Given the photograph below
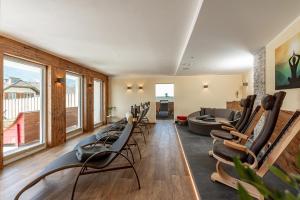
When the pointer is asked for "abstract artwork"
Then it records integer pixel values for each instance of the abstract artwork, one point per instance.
(287, 68)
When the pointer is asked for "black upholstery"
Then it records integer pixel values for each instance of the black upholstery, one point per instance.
(273, 105)
(251, 118)
(228, 153)
(243, 105)
(222, 134)
(225, 135)
(249, 105)
(243, 123)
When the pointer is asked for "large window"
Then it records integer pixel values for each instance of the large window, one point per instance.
(23, 105)
(98, 94)
(73, 102)
(164, 90)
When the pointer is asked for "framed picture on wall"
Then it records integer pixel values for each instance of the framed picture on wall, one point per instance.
(287, 64)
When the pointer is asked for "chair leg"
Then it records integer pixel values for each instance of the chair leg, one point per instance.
(142, 133)
(137, 145)
(144, 137)
(132, 157)
(75, 184)
(223, 177)
(133, 168)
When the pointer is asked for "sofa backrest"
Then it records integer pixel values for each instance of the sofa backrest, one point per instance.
(218, 112)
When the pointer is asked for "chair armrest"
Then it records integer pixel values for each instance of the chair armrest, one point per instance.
(227, 124)
(243, 148)
(235, 146)
(238, 134)
(227, 128)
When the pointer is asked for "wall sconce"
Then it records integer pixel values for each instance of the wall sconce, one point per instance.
(205, 85)
(129, 87)
(140, 87)
(60, 80)
(90, 84)
(245, 84)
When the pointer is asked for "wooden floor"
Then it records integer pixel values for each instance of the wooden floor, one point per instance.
(162, 171)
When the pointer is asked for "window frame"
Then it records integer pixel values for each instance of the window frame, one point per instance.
(97, 124)
(17, 154)
(70, 134)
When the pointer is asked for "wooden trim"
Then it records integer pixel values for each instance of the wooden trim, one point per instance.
(222, 177)
(280, 147)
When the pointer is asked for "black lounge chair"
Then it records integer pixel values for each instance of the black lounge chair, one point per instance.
(91, 165)
(146, 105)
(141, 127)
(225, 151)
(111, 133)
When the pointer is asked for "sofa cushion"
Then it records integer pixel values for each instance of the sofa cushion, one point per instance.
(224, 113)
(210, 111)
(202, 111)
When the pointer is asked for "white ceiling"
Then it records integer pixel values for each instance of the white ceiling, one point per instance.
(149, 36)
(227, 31)
(112, 36)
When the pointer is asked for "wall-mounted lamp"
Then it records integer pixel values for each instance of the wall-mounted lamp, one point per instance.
(60, 80)
(245, 84)
(205, 86)
(129, 87)
(90, 84)
(140, 87)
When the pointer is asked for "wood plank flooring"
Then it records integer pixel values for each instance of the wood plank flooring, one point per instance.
(162, 171)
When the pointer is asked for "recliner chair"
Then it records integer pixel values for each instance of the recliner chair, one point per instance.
(225, 151)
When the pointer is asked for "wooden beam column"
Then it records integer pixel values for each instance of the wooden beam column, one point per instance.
(88, 104)
(56, 107)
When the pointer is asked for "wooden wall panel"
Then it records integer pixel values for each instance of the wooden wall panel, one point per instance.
(56, 107)
(55, 97)
(233, 105)
(88, 122)
(287, 159)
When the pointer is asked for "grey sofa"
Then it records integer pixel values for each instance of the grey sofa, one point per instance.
(207, 119)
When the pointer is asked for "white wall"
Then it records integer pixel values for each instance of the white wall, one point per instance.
(292, 100)
(248, 77)
(189, 92)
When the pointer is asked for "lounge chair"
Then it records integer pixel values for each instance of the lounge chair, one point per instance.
(225, 151)
(247, 105)
(229, 133)
(90, 166)
(112, 132)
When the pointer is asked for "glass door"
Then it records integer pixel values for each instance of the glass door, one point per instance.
(98, 95)
(73, 102)
(23, 105)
